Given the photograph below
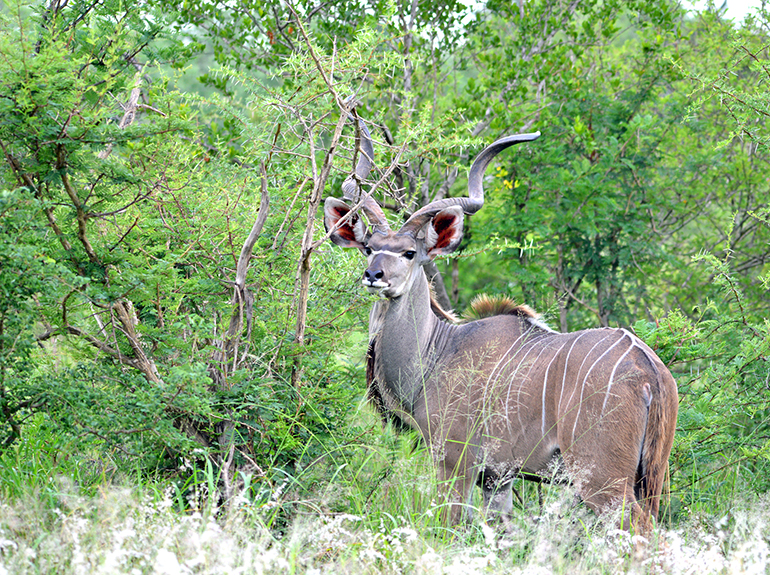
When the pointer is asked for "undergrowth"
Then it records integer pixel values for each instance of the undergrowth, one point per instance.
(374, 512)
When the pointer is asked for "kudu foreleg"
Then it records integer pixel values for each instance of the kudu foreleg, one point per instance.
(498, 499)
(455, 485)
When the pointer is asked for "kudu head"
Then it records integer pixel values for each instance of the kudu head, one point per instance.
(395, 257)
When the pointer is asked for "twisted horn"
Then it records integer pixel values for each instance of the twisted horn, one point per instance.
(351, 187)
(475, 201)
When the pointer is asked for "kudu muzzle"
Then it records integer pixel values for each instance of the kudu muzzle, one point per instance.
(374, 273)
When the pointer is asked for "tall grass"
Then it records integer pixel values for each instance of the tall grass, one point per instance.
(34, 465)
(367, 509)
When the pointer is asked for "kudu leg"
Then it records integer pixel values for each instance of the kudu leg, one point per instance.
(617, 495)
(604, 461)
(498, 495)
(455, 484)
(498, 503)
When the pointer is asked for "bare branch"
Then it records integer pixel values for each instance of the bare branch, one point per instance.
(61, 164)
(256, 230)
(356, 208)
(130, 111)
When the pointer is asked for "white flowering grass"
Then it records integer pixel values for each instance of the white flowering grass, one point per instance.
(123, 530)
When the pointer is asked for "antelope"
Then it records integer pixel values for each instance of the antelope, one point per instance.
(504, 396)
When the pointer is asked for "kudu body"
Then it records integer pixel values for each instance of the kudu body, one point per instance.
(505, 395)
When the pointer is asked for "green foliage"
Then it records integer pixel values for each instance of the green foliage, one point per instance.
(737, 85)
(128, 230)
(260, 34)
(721, 364)
(25, 270)
(124, 206)
(80, 282)
(714, 207)
(580, 195)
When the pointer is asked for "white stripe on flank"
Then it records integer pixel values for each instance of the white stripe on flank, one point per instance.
(577, 374)
(564, 377)
(545, 385)
(502, 368)
(502, 357)
(531, 342)
(537, 323)
(518, 390)
(580, 404)
(636, 341)
(649, 354)
(612, 375)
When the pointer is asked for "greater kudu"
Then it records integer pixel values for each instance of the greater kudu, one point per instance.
(505, 395)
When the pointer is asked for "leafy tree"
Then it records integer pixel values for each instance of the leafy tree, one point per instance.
(575, 209)
(99, 198)
(258, 35)
(140, 226)
(720, 205)
(721, 224)
(25, 271)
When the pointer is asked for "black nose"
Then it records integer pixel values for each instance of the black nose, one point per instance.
(373, 275)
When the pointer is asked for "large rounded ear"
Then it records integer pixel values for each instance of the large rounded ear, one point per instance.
(444, 232)
(351, 234)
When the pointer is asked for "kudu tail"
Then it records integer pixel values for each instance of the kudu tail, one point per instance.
(658, 439)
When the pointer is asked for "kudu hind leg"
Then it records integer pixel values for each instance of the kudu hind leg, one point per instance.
(604, 463)
(617, 496)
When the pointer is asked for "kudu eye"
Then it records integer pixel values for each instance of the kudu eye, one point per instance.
(368, 251)
(409, 254)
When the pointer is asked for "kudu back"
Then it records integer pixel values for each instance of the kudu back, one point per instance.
(504, 396)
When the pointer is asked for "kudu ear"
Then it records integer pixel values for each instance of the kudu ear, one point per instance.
(444, 232)
(351, 234)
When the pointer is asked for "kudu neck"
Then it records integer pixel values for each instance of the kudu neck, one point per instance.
(409, 313)
(408, 332)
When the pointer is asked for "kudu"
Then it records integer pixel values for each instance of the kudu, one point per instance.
(504, 396)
